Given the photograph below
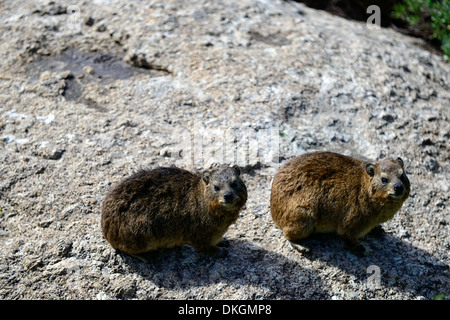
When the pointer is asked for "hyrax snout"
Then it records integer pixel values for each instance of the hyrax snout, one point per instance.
(168, 207)
(330, 192)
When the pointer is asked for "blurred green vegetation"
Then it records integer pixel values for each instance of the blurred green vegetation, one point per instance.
(427, 14)
(439, 296)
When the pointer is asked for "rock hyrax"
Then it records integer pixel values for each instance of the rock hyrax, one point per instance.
(167, 207)
(330, 192)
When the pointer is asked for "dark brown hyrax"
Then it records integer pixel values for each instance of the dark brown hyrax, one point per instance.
(330, 192)
(168, 207)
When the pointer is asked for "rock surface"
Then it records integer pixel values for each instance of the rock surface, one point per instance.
(91, 93)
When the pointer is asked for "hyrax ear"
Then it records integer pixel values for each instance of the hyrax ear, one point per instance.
(400, 161)
(370, 169)
(237, 169)
(205, 176)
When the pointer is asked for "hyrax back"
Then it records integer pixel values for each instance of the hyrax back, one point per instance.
(330, 192)
(167, 207)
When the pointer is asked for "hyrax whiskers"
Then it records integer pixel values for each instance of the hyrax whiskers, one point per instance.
(330, 192)
(168, 207)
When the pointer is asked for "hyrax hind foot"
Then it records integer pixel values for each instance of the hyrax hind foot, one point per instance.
(213, 251)
(356, 248)
(377, 232)
(224, 243)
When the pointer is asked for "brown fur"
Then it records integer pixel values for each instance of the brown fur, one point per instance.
(168, 207)
(329, 192)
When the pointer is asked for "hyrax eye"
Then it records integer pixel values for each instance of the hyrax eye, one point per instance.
(384, 180)
(216, 188)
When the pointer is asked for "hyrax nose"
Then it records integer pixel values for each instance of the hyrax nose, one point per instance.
(228, 196)
(398, 188)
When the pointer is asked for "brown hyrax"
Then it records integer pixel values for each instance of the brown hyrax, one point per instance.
(330, 192)
(168, 207)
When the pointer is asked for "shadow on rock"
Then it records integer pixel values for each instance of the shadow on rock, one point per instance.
(400, 264)
(245, 264)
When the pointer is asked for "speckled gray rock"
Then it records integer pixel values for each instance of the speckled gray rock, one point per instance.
(92, 93)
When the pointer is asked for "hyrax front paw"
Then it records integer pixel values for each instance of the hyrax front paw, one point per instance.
(300, 248)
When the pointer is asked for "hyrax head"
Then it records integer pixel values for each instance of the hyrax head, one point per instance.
(225, 187)
(389, 179)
